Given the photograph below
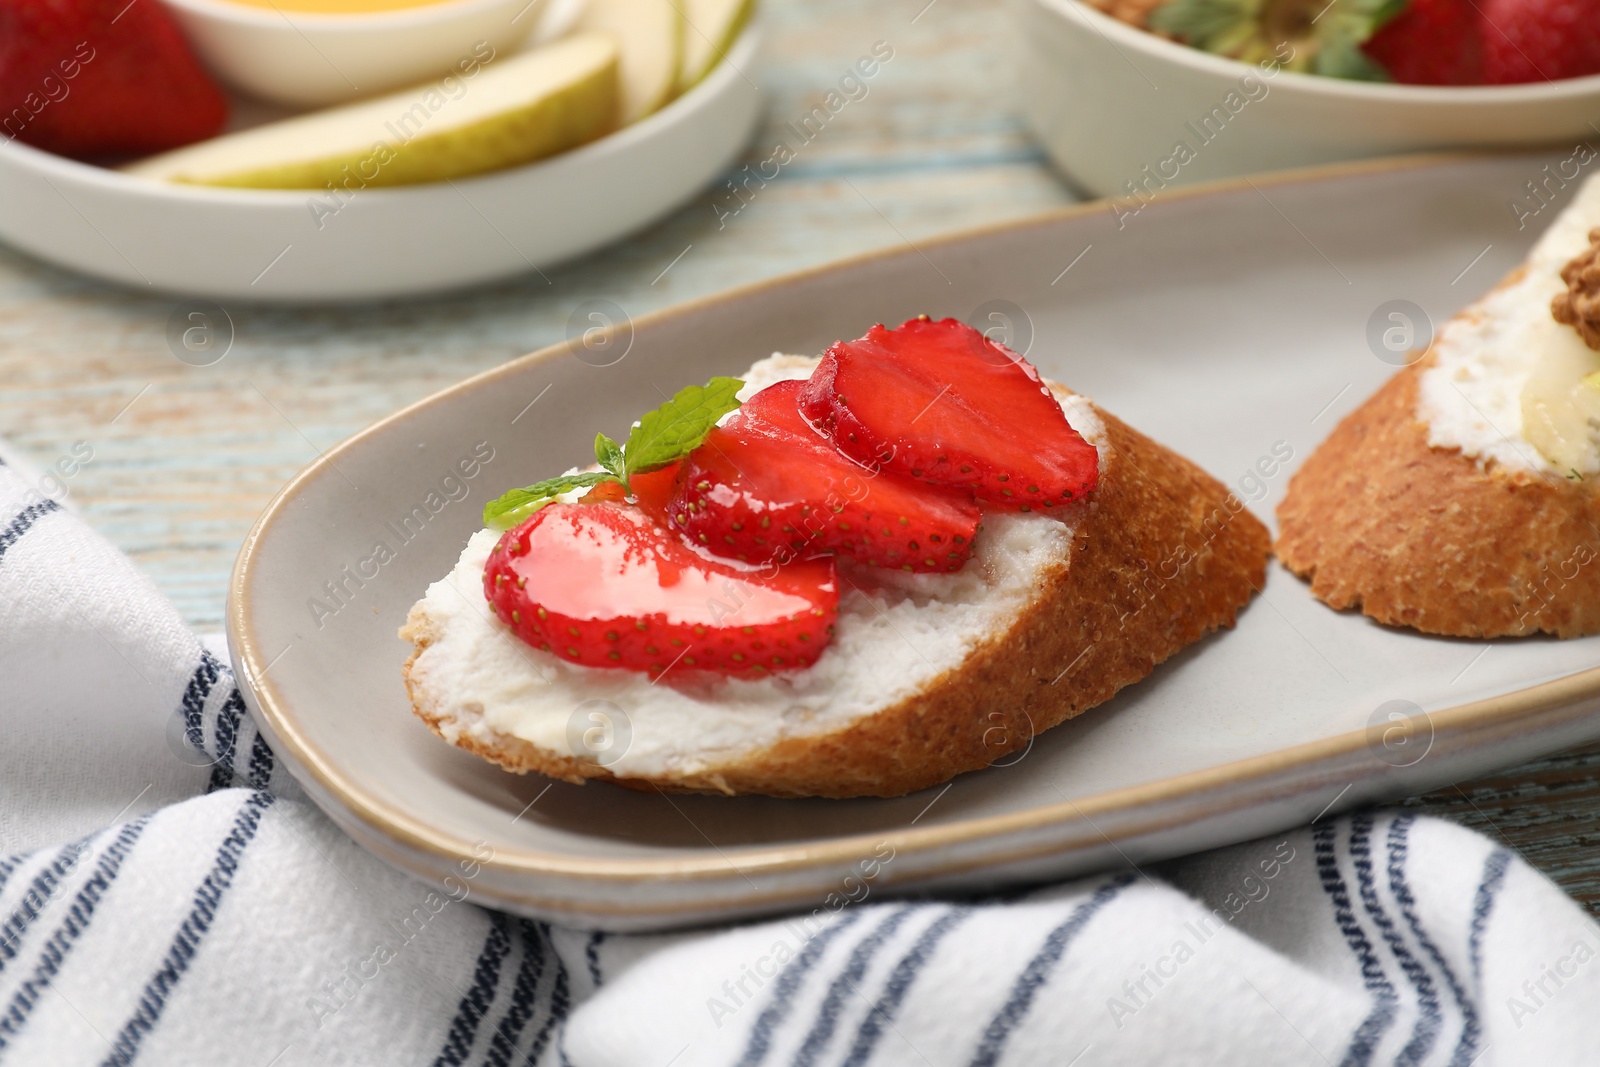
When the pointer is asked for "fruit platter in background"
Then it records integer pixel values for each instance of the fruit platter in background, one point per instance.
(1412, 42)
(1132, 97)
(112, 82)
(331, 150)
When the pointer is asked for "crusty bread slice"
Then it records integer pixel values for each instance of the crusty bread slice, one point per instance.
(1426, 537)
(1159, 556)
(1462, 497)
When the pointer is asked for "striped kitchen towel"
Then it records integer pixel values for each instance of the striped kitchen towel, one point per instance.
(168, 897)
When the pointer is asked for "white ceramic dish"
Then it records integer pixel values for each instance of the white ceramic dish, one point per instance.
(1108, 101)
(305, 60)
(259, 244)
(1213, 324)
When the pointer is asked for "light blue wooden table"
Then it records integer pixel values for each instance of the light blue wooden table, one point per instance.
(185, 457)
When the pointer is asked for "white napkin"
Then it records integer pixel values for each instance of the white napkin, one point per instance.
(170, 907)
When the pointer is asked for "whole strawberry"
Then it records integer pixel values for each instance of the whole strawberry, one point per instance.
(1430, 42)
(1540, 40)
(91, 78)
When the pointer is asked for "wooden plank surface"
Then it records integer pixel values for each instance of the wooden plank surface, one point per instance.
(185, 457)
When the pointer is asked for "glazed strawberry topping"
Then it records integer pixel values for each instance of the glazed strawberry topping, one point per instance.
(654, 491)
(940, 402)
(886, 455)
(602, 585)
(766, 485)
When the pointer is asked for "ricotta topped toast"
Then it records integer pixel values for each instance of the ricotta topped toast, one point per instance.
(1463, 498)
(927, 675)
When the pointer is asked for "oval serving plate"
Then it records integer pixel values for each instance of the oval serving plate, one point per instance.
(268, 244)
(1229, 321)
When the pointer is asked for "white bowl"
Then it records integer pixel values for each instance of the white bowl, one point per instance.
(1109, 100)
(264, 244)
(305, 60)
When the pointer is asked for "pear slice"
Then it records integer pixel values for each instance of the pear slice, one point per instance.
(502, 113)
(650, 34)
(712, 26)
(1559, 401)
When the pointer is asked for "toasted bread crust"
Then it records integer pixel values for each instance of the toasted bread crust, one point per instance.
(1425, 537)
(1164, 556)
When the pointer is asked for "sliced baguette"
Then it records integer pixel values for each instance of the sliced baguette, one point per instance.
(1412, 535)
(1462, 498)
(1160, 556)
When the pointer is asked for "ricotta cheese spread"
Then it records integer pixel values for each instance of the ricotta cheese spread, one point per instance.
(1507, 383)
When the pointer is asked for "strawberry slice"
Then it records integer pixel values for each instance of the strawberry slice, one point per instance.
(91, 78)
(767, 486)
(654, 490)
(941, 402)
(603, 585)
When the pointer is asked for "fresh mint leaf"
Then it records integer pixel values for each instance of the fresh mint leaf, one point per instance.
(677, 427)
(609, 455)
(663, 436)
(506, 511)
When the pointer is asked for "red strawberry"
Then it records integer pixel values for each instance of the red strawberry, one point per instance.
(941, 402)
(1540, 40)
(1430, 42)
(602, 585)
(766, 485)
(101, 77)
(605, 493)
(654, 490)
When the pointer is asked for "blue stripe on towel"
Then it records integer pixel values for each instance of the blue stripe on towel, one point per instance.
(1494, 876)
(1365, 1040)
(1399, 852)
(894, 991)
(1429, 1020)
(1038, 970)
(262, 762)
(194, 700)
(61, 942)
(560, 1001)
(847, 982)
(478, 999)
(39, 894)
(23, 522)
(504, 1044)
(591, 953)
(228, 722)
(787, 985)
(185, 945)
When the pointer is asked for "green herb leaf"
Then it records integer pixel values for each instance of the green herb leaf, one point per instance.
(609, 455)
(664, 436)
(506, 511)
(677, 427)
